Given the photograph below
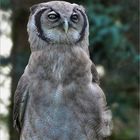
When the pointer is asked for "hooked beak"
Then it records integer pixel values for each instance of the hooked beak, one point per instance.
(66, 26)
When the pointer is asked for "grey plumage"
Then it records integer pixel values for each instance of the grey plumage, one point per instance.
(58, 96)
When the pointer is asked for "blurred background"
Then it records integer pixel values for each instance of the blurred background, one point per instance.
(114, 48)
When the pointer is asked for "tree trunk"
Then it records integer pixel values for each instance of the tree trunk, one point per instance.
(19, 58)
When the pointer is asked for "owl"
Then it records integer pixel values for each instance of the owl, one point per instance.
(58, 97)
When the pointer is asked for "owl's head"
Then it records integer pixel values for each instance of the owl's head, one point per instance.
(58, 22)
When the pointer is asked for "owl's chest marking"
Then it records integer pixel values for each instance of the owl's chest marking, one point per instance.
(58, 68)
(57, 96)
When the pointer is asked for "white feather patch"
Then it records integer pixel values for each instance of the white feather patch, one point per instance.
(58, 95)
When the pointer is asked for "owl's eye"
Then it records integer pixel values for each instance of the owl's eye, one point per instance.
(75, 17)
(52, 16)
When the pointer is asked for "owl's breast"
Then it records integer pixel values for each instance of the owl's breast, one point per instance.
(51, 113)
(69, 67)
(61, 67)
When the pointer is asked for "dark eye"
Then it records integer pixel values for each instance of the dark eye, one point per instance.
(53, 16)
(75, 17)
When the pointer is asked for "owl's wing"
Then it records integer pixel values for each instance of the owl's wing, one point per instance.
(95, 76)
(105, 128)
(98, 117)
(106, 116)
(20, 101)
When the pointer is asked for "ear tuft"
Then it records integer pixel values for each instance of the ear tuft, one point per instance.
(80, 7)
(33, 8)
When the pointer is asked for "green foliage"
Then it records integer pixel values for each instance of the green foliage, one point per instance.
(4, 61)
(5, 4)
(111, 47)
(3, 119)
(107, 30)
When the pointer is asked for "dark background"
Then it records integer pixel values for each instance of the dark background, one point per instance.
(114, 45)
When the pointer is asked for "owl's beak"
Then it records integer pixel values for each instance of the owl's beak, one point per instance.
(66, 25)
